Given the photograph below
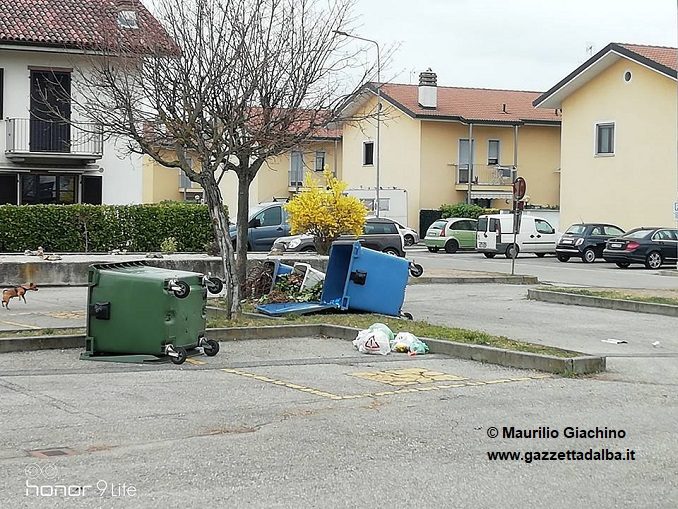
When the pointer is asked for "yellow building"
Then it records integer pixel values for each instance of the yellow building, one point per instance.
(618, 144)
(424, 145)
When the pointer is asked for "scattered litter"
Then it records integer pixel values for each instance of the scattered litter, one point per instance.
(383, 328)
(402, 342)
(656, 344)
(372, 342)
(52, 257)
(613, 341)
(418, 348)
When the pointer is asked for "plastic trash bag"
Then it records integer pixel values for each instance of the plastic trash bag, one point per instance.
(401, 343)
(372, 342)
(384, 328)
(418, 347)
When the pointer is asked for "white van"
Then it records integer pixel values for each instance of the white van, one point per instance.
(495, 236)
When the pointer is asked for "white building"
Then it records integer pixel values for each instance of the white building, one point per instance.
(44, 158)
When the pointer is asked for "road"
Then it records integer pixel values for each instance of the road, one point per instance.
(549, 269)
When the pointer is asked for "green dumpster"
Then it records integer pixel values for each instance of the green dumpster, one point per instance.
(139, 313)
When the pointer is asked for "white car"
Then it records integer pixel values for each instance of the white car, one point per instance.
(410, 236)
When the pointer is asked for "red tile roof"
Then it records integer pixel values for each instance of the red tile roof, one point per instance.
(478, 104)
(663, 55)
(78, 24)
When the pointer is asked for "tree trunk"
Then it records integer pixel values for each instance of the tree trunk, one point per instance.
(243, 224)
(220, 226)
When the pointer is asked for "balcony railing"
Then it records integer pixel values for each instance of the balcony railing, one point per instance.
(484, 175)
(28, 137)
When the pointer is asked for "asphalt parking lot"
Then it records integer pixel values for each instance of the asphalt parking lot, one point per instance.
(311, 423)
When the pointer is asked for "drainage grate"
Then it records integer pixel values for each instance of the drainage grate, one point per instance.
(55, 451)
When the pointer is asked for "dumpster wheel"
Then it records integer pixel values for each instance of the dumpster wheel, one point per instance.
(181, 355)
(210, 347)
(407, 315)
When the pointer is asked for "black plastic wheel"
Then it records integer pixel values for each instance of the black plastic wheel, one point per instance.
(489, 255)
(214, 285)
(562, 257)
(211, 348)
(409, 240)
(451, 246)
(183, 290)
(416, 270)
(181, 355)
(408, 315)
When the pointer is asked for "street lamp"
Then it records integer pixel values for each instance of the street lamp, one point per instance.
(376, 140)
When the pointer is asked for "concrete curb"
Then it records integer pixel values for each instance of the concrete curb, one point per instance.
(500, 279)
(580, 365)
(602, 302)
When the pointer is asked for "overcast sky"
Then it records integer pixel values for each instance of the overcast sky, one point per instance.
(513, 44)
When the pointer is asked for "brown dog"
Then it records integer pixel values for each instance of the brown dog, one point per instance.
(18, 292)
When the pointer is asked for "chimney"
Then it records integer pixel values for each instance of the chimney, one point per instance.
(428, 89)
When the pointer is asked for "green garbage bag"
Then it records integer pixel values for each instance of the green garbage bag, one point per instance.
(383, 328)
(418, 347)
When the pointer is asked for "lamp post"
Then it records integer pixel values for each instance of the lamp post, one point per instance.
(376, 138)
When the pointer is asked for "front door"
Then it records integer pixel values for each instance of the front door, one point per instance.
(268, 225)
(50, 111)
(545, 237)
(668, 239)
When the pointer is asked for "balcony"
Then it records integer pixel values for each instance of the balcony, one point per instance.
(43, 141)
(492, 182)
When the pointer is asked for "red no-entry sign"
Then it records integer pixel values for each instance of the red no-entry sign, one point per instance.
(519, 188)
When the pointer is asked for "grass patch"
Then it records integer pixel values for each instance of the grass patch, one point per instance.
(418, 328)
(42, 332)
(616, 294)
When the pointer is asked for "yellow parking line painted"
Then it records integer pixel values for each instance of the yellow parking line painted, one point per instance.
(460, 382)
(195, 362)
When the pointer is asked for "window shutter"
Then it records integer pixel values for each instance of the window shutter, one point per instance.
(8, 193)
(2, 93)
(91, 189)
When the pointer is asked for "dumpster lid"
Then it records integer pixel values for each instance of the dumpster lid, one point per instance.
(299, 308)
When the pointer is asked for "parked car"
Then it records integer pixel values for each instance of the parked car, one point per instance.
(495, 236)
(649, 246)
(451, 235)
(410, 236)
(586, 241)
(379, 234)
(267, 222)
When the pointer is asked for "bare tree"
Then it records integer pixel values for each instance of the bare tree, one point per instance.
(243, 80)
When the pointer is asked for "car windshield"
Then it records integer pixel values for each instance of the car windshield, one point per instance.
(576, 229)
(638, 234)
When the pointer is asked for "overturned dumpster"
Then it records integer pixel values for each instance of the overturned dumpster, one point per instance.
(139, 313)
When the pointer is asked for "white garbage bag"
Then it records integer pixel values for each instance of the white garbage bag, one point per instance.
(402, 342)
(372, 342)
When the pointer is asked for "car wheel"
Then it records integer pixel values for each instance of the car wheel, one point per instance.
(308, 249)
(512, 251)
(391, 251)
(623, 265)
(409, 240)
(563, 258)
(433, 249)
(540, 255)
(589, 255)
(451, 246)
(489, 255)
(653, 260)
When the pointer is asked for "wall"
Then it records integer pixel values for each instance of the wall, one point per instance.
(637, 185)
(122, 177)
(400, 148)
(539, 163)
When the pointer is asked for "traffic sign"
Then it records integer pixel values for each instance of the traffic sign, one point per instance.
(519, 188)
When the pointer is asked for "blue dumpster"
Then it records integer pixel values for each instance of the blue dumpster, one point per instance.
(362, 279)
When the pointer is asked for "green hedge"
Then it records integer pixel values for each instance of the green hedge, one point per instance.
(100, 228)
(465, 210)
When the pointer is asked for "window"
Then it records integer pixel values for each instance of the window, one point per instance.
(296, 168)
(377, 228)
(384, 204)
(665, 235)
(604, 139)
(493, 152)
(2, 91)
(464, 161)
(597, 230)
(127, 19)
(184, 181)
(48, 189)
(368, 153)
(613, 231)
(270, 217)
(320, 160)
(543, 227)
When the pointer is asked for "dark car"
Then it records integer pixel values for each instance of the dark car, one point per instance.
(649, 246)
(586, 241)
(379, 234)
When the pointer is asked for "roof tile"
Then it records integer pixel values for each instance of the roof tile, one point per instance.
(668, 57)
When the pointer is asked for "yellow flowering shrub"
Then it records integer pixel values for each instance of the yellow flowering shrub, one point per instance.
(325, 212)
